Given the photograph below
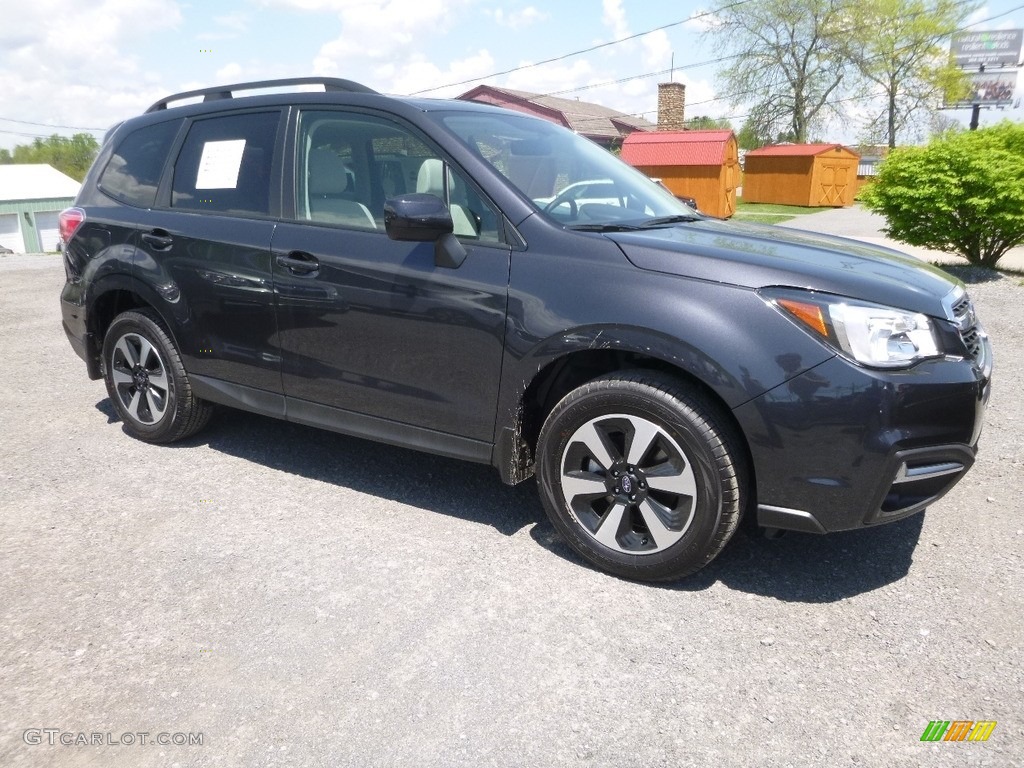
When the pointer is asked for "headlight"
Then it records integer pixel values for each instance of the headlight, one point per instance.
(873, 335)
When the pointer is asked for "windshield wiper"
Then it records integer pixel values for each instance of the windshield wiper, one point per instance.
(661, 221)
(610, 227)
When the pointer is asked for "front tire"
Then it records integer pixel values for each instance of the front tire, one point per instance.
(642, 475)
(147, 382)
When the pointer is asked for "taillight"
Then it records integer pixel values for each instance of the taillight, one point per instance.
(69, 221)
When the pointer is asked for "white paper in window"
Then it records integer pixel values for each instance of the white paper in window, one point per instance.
(218, 167)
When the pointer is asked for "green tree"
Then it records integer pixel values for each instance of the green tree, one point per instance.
(789, 60)
(72, 156)
(963, 193)
(753, 135)
(705, 123)
(900, 49)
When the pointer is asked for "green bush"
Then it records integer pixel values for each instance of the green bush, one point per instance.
(962, 194)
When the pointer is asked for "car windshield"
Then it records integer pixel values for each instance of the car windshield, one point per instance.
(569, 178)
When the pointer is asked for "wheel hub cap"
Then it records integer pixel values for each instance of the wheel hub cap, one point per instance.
(627, 483)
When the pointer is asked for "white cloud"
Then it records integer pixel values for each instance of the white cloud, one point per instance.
(657, 50)
(229, 73)
(55, 53)
(553, 77)
(614, 17)
(227, 27)
(378, 32)
(518, 19)
(236, 22)
(419, 74)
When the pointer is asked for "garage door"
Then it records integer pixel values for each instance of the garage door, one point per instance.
(10, 233)
(46, 226)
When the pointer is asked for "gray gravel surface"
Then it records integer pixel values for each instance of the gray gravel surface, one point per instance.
(306, 599)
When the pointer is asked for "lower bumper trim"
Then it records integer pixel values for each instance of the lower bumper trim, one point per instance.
(787, 519)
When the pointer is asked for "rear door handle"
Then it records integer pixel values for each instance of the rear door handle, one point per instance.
(160, 240)
(299, 263)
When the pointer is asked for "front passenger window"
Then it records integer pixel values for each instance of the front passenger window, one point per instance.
(350, 164)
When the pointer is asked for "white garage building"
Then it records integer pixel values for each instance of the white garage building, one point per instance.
(31, 197)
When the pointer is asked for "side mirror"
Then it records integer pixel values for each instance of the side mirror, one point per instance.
(424, 218)
(417, 217)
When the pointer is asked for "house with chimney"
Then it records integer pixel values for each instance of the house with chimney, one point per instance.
(604, 126)
(703, 165)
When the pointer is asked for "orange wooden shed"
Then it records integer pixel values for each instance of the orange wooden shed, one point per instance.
(813, 175)
(703, 165)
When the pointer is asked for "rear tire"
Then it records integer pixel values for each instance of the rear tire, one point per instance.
(642, 475)
(147, 382)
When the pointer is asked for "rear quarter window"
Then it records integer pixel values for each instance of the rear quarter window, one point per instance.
(132, 175)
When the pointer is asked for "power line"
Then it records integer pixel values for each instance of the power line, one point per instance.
(735, 56)
(732, 96)
(584, 50)
(50, 125)
(990, 18)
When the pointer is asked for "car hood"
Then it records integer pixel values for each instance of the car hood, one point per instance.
(758, 256)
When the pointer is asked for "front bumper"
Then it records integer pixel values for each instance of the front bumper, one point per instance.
(842, 447)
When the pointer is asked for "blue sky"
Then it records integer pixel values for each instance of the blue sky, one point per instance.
(69, 64)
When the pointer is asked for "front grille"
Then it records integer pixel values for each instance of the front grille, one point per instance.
(962, 307)
(967, 324)
(972, 340)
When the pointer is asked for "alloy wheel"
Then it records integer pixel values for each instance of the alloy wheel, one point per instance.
(140, 378)
(628, 483)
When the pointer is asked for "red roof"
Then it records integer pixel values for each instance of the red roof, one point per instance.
(676, 147)
(794, 150)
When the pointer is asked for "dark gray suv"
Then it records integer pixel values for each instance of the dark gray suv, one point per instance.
(476, 283)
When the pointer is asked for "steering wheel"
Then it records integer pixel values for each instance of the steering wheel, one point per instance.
(563, 198)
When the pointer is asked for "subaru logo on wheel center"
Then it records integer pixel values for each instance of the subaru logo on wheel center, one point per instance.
(627, 485)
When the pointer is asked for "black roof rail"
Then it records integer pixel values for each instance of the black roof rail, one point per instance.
(227, 91)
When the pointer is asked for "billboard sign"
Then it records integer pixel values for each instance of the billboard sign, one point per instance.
(996, 48)
(989, 89)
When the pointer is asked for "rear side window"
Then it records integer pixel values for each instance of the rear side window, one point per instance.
(224, 165)
(133, 172)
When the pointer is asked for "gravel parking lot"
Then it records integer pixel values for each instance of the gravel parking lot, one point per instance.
(306, 599)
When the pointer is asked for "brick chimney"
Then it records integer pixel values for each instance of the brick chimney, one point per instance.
(671, 106)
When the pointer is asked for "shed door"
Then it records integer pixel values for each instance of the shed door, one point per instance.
(10, 233)
(732, 176)
(833, 184)
(47, 227)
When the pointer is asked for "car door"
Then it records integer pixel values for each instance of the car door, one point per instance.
(376, 338)
(206, 248)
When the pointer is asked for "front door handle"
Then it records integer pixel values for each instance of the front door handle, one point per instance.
(159, 239)
(299, 263)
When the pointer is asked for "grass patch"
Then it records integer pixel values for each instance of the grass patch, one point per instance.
(769, 213)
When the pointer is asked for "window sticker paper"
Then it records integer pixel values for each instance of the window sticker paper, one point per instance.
(218, 167)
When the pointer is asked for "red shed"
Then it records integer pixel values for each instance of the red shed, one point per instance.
(703, 165)
(813, 175)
